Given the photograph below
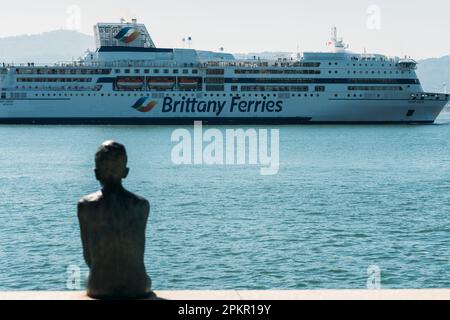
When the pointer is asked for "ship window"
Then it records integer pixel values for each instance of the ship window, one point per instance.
(215, 80)
(274, 88)
(137, 71)
(410, 113)
(215, 88)
(194, 71)
(175, 71)
(185, 71)
(117, 71)
(156, 71)
(127, 70)
(215, 71)
(147, 71)
(319, 88)
(166, 71)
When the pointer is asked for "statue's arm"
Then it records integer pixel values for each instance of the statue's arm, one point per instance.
(82, 212)
(145, 210)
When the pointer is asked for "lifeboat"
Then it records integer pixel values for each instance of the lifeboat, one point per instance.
(131, 83)
(161, 82)
(188, 82)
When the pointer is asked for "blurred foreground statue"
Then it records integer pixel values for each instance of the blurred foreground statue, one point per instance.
(113, 223)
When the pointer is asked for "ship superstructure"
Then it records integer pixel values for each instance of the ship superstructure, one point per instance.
(128, 80)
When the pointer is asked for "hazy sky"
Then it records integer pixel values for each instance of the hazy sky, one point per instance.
(417, 28)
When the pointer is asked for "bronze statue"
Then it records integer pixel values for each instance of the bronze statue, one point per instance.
(112, 224)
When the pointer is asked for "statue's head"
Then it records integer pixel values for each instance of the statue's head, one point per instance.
(111, 163)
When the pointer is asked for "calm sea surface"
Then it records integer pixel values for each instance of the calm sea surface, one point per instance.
(346, 198)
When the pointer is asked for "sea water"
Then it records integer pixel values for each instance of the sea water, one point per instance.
(346, 200)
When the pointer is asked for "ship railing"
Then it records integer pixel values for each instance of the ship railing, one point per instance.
(58, 89)
(103, 64)
(253, 63)
(257, 64)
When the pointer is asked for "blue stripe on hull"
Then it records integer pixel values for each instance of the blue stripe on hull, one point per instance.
(188, 121)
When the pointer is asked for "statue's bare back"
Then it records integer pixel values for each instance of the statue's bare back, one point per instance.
(113, 225)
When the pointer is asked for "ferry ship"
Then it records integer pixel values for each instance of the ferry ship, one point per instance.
(128, 80)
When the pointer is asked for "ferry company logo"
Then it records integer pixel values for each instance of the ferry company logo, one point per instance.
(127, 35)
(144, 105)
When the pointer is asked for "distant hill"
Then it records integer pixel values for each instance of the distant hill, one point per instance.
(434, 72)
(49, 47)
(64, 45)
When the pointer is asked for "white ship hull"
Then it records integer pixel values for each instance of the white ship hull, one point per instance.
(222, 110)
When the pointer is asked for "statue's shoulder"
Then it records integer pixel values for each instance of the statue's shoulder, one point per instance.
(139, 201)
(90, 200)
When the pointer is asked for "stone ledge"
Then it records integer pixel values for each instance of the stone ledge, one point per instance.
(427, 294)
